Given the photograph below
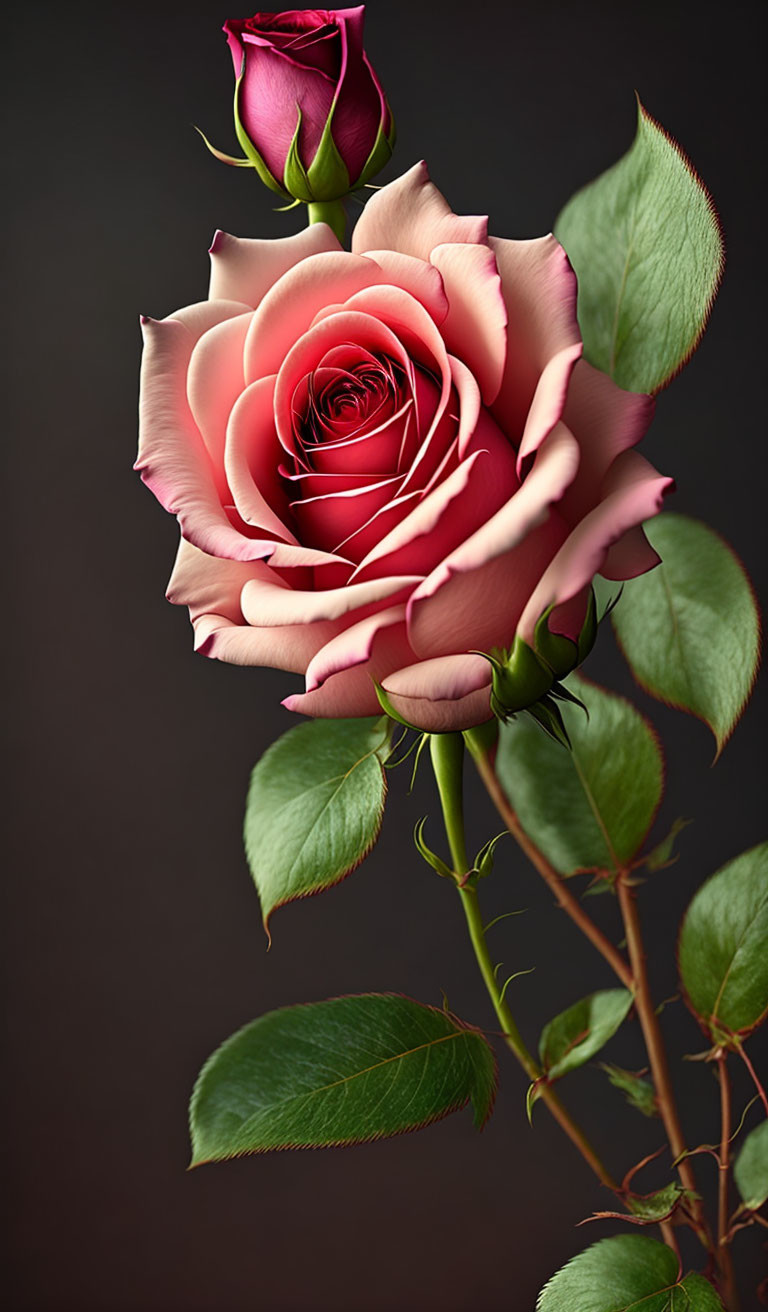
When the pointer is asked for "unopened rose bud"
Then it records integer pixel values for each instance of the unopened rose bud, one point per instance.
(310, 113)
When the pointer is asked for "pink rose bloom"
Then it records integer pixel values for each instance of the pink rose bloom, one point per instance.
(301, 70)
(383, 460)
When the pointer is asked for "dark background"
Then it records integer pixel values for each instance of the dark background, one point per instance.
(133, 939)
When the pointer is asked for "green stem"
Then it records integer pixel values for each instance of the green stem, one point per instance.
(331, 212)
(447, 751)
(724, 1257)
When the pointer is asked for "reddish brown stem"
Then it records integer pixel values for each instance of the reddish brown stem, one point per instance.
(570, 904)
(649, 1023)
(724, 1255)
(763, 1097)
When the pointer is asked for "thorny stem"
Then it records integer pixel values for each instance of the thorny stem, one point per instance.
(649, 1023)
(724, 1255)
(447, 752)
(570, 904)
(633, 977)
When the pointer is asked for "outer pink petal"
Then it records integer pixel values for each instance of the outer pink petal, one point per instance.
(269, 602)
(480, 609)
(215, 380)
(444, 695)
(244, 268)
(554, 470)
(290, 647)
(633, 492)
(290, 305)
(210, 583)
(548, 404)
(414, 276)
(172, 458)
(539, 288)
(605, 421)
(252, 457)
(476, 327)
(411, 216)
(479, 590)
(352, 691)
(354, 646)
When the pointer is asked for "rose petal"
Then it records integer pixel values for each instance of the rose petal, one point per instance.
(291, 303)
(245, 268)
(451, 512)
(471, 601)
(353, 691)
(480, 609)
(268, 602)
(632, 492)
(422, 280)
(475, 329)
(353, 646)
(252, 460)
(539, 289)
(348, 326)
(326, 521)
(215, 380)
(548, 404)
(410, 215)
(173, 459)
(442, 696)
(605, 420)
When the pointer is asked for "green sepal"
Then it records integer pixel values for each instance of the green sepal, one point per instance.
(387, 706)
(295, 178)
(431, 858)
(548, 716)
(517, 679)
(560, 654)
(327, 175)
(381, 154)
(249, 148)
(221, 157)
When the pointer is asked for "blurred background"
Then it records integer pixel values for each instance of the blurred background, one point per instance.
(133, 942)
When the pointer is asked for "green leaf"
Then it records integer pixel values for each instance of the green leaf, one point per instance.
(627, 1271)
(314, 807)
(577, 805)
(722, 956)
(750, 1170)
(690, 628)
(658, 1205)
(574, 1036)
(638, 1092)
(339, 1072)
(644, 240)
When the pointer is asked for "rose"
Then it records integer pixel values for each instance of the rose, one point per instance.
(387, 459)
(309, 109)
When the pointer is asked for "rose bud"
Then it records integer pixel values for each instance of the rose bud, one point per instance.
(310, 113)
